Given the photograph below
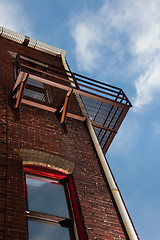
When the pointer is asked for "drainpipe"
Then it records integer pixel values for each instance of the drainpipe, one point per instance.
(116, 194)
(115, 191)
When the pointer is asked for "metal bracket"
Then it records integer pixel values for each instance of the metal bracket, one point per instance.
(61, 111)
(17, 92)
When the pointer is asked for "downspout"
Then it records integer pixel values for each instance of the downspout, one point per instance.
(115, 192)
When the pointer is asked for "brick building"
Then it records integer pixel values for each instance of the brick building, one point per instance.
(55, 128)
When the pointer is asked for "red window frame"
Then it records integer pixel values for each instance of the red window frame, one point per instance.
(55, 174)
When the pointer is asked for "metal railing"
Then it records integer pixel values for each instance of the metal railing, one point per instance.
(106, 105)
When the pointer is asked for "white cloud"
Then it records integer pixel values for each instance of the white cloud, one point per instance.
(148, 85)
(125, 137)
(86, 35)
(12, 16)
(120, 28)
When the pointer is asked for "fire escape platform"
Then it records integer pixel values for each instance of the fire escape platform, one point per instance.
(53, 89)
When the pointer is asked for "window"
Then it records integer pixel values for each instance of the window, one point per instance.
(35, 90)
(49, 210)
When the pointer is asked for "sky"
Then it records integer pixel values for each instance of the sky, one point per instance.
(116, 42)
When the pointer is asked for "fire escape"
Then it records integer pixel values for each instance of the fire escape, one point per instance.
(105, 105)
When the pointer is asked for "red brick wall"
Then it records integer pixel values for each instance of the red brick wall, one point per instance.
(40, 130)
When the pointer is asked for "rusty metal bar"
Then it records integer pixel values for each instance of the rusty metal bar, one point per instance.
(100, 91)
(126, 98)
(80, 92)
(47, 65)
(61, 111)
(76, 77)
(75, 81)
(20, 92)
(102, 127)
(112, 120)
(19, 78)
(120, 120)
(16, 87)
(14, 92)
(50, 109)
(48, 82)
(49, 74)
(99, 98)
(98, 86)
(109, 115)
(65, 106)
(67, 80)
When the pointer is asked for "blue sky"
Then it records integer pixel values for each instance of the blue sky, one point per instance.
(117, 42)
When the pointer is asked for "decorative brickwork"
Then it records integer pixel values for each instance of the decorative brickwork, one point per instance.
(39, 158)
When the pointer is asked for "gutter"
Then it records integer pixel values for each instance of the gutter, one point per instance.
(109, 176)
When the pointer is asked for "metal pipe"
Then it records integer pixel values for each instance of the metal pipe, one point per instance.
(113, 186)
(116, 194)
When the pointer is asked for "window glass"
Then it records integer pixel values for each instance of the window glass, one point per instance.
(35, 83)
(46, 231)
(36, 94)
(45, 196)
(33, 94)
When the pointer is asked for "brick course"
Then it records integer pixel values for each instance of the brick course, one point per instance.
(39, 130)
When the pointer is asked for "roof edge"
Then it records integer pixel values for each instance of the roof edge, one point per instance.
(30, 42)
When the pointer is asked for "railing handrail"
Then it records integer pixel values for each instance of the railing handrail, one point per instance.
(110, 90)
